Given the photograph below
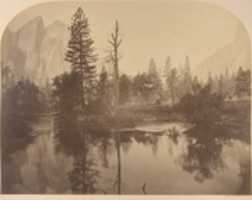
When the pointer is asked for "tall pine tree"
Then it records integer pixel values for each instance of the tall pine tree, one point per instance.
(167, 67)
(81, 55)
(187, 76)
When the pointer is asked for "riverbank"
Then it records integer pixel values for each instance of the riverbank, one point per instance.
(236, 117)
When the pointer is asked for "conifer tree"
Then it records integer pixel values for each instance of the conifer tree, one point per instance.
(81, 55)
(104, 92)
(187, 76)
(221, 86)
(154, 80)
(172, 84)
(167, 67)
(210, 80)
(242, 86)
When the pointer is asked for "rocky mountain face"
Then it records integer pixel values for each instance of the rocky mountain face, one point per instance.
(36, 51)
(233, 55)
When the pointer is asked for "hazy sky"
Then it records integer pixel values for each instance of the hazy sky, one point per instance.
(153, 29)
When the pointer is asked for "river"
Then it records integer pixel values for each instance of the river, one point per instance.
(152, 158)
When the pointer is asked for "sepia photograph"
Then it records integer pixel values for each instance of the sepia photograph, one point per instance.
(125, 98)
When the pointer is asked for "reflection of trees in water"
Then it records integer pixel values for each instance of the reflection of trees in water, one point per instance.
(105, 148)
(21, 102)
(118, 153)
(118, 142)
(83, 176)
(245, 174)
(174, 135)
(125, 142)
(73, 138)
(204, 151)
(104, 143)
(147, 139)
(77, 139)
(67, 134)
(16, 134)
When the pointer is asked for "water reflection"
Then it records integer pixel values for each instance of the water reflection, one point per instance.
(73, 137)
(16, 135)
(204, 151)
(71, 157)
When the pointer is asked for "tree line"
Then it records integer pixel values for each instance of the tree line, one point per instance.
(104, 92)
(89, 91)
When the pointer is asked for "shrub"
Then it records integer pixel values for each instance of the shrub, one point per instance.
(203, 107)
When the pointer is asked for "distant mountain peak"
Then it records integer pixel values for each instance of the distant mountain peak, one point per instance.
(58, 23)
(35, 21)
(36, 51)
(56, 29)
(230, 56)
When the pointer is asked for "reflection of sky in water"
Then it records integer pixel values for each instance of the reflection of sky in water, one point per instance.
(162, 172)
(154, 159)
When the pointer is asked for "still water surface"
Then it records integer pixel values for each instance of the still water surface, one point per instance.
(153, 158)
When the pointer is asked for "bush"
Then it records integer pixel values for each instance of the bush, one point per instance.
(66, 91)
(203, 107)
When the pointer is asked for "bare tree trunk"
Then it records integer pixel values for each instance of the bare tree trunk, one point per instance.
(144, 188)
(118, 163)
(172, 94)
(115, 41)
